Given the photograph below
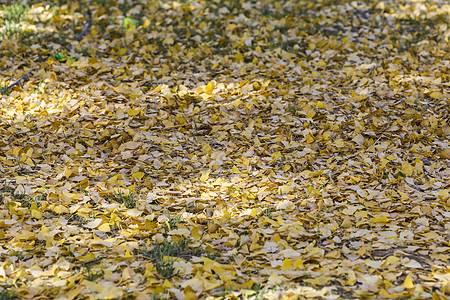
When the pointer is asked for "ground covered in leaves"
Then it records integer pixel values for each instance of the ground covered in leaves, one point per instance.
(230, 149)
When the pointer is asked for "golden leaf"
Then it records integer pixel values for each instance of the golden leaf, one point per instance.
(380, 219)
(408, 283)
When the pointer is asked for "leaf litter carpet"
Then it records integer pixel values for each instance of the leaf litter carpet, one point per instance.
(270, 149)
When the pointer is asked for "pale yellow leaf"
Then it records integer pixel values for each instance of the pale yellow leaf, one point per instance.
(286, 205)
(205, 175)
(94, 223)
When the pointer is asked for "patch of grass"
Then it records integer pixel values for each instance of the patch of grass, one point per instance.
(6, 189)
(268, 211)
(131, 297)
(76, 219)
(120, 197)
(162, 257)
(173, 221)
(20, 197)
(211, 255)
(23, 198)
(20, 255)
(7, 294)
(9, 29)
(164, 254)
(15, 12)
(4, 89)
(178, 249)
(12, 16)
(260, 291)
(36, 199)
(91, 263)
(256, 291)
(41, 88)
(21, 169)
(165, 267)
(93, 275)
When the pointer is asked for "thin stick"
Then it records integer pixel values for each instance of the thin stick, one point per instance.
(86, 26)
(23, 78)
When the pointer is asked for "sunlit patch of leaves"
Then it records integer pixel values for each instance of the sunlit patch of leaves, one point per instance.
(323, 126)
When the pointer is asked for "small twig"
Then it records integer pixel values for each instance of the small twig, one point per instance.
(373, 146)
(86, 26)
(329, 176)
(23, 78)
(168, 128)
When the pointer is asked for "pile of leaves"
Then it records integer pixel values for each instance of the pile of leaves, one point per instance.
(233, 149)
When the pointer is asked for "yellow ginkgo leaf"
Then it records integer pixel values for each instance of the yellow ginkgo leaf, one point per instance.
(408, 283)
(205, 175)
